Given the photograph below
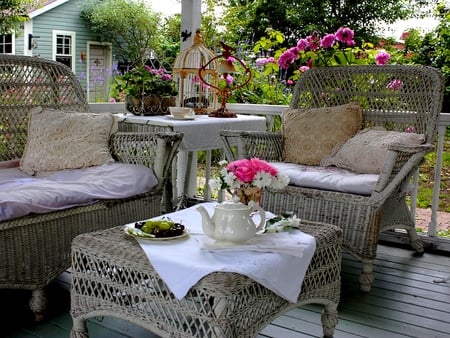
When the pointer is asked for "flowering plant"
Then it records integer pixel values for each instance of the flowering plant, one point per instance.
(330, 50)
(144, 80)
(248, 173)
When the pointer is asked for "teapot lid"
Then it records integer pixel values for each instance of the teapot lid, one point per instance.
(232, 205)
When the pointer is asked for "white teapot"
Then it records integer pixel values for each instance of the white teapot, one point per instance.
(231, 222)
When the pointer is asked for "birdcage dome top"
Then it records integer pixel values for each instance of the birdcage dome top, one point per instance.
(194, 57)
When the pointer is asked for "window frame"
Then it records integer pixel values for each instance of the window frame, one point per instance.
(72, 54)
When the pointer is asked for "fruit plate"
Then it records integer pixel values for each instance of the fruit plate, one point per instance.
(137, 233)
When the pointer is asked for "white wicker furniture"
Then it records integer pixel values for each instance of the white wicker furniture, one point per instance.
(35, 248)
(362, 218)
(111, 276)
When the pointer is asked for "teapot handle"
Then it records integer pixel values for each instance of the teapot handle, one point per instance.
(262, 214)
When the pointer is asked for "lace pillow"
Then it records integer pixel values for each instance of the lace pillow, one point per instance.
(66, 140)
(365, 153)
(311, 134)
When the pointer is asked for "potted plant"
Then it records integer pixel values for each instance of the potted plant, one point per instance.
(148, 91)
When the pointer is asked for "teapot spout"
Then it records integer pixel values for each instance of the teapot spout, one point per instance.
(207, 222)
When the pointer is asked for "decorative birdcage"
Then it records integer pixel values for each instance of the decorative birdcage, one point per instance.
(192, 92)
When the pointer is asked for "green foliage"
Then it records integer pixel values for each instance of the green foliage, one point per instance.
(248, 20)
(168, 46)
(434, 49)
(13, 13)
(144, 80)
(130, 25)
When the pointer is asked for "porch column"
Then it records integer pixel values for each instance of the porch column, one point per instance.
(190, 22)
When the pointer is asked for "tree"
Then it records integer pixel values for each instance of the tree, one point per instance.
(14, 12)
(129, 25)
(248, 20)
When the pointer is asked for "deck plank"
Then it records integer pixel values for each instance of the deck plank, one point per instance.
(404, 302)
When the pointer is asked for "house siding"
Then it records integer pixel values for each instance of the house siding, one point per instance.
(64, 17)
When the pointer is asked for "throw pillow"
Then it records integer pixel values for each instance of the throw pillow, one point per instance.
(365, 153)
(311, 134)
(66, 140)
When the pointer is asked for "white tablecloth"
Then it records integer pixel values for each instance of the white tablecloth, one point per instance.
(203, 132)
(181, 263)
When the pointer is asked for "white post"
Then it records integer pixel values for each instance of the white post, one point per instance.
(191, 12)
(187, 163)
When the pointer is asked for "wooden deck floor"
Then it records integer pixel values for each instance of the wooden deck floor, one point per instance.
(404, 302)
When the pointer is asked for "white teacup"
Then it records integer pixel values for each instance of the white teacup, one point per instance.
(181, 112)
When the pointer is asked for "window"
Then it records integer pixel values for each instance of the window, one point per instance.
(64, 45)
(6, 43)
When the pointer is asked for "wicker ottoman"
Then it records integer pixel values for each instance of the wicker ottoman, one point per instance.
(112, 277)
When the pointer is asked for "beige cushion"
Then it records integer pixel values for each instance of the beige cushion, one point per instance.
(66, 140)
(366, 152)
(311, 134)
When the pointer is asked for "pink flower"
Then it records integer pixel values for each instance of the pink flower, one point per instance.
(345, 34)
(303, 69)
(313, 42)
(229, 79)
(287, 58)
(112, 100)
(242, 169)
(410, 129)
(328, 41)
(260, 165)
(302, 45)
(382, 58)
(395, 84)
(290, 82)
(261, 61)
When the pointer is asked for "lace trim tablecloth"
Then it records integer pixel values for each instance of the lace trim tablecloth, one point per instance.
(181, 263)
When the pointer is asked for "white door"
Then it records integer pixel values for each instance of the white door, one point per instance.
(99, 73)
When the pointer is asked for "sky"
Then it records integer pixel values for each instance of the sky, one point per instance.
(166, 7)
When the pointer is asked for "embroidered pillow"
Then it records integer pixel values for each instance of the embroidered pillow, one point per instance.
(66, 140)
(311, 134)
(366, 152)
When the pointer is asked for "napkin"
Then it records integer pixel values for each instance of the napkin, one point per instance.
(288, 243)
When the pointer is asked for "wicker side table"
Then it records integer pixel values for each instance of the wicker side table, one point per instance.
(112, 277)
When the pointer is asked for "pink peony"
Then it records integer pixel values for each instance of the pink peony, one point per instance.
(345, 34)
(287, 58)
(395, 84)
(302, 45)
(382, 58)
(328, 41)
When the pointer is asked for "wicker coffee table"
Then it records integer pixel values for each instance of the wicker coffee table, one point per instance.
(113, 277)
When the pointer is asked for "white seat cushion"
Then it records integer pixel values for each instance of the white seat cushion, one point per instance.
(21, 194)
(328, 178)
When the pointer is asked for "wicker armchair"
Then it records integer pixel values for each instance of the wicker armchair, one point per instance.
(362, 218)
(36, 248)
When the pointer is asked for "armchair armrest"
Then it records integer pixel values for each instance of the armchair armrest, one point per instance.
(246, 144)
(401, 162)
(154, 150)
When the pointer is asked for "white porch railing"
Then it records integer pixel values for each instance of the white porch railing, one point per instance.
(270, 111)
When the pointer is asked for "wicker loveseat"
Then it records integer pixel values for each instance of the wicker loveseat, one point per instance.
(35, 248)
(396, 97)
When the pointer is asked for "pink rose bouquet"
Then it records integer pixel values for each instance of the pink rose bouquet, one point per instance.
(248, 173)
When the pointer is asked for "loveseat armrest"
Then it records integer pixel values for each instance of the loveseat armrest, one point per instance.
(401, 163)
(246, 144)
(155, 150)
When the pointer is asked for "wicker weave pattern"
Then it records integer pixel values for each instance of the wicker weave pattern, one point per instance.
(112, 277)
(36, 248)
(418, 105)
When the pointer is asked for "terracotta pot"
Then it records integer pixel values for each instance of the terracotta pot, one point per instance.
(149, 104)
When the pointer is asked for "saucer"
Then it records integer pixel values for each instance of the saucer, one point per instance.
(182, 118)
